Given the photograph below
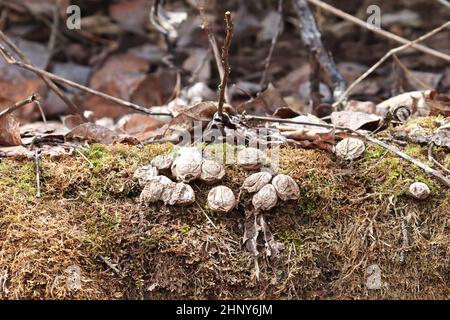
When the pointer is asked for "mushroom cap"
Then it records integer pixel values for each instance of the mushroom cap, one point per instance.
(256, 181)
(162, 162)
(212, 171)
(221, 199)
(266, 198)
(350, 148)
(251, 158)
(286, 187)
(419, 190)
(187, 166)
(144, 174)
(157, 188)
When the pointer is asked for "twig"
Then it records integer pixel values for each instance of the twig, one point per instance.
(41, 111)
(20, 104)
(37, 156)
(212, 41)
(432, 159)
(379, 31)
(225, 62)
(410, 74)
(72, 106)
(279, 26)
(11, 60)
(110, 265)
(54, 28)
(438, 175)
(91, 165)
(206, 215)
(384, 58)
(444, 2)
(312, 39)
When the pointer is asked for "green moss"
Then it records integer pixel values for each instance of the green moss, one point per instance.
(184, 229)
(424, 122)
(4, 167)
(290, 237)
(374, 152)
(415, 151)
(98, 156)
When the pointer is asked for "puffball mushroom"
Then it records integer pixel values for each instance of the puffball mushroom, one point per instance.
(144, 174)
(256, 181)
(221, 199)
(212, 172)
(286, 187)
(182, 194)
(251, 158)
(266, 198)
(187, 166)
(350, 148)
(419, 190)
(162, 162)
(157, 188)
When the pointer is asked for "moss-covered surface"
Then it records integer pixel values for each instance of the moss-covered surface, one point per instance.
(350, 216)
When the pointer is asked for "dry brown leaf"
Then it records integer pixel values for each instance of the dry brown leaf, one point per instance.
(355, 120)
(9, 131)
(93, 133)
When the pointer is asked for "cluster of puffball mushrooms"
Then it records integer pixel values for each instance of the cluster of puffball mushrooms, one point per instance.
(188, 164)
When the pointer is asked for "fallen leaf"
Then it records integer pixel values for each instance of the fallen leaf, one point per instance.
(265, 103)
(9, 131)
(137, 122)
(356, 120)
(93, 133)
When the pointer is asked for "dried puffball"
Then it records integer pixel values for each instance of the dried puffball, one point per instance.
(256, 181)
(157, 188)
(162, 162)
(212, 172)
(266, 198)
(251, 158)
(181, 195)
(221, 199)
(350, 148)
(419, 190)
(286, 187)
(144, 174)
(187, 166)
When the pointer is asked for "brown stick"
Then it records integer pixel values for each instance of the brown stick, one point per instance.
(384, 58)
(378, 31)
(312, 39)
(10, 59)
(225, 62)
(72, 106)
(279, 26)
(20, 104)
(212, 41)
(438, 175)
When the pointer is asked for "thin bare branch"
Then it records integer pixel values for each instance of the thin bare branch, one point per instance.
(312, 39)
(279, 26)
(378, 31)
(72, 106)
(444, 3)
(384, 58)
(11, 60)
(225, 62)
(20, 104)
